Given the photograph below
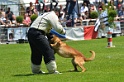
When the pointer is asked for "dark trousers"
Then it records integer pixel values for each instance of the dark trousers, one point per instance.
(51, 4)
(40, 46)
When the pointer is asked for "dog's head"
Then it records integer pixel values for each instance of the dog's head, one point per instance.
(55, 39)
(56, 45)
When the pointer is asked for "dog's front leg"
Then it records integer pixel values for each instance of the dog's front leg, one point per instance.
(53, 45)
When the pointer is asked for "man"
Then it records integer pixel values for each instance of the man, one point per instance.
(9, 14)
(87, 2)
(51, 4)
(73, 11)
(39, 43)
(39, 6)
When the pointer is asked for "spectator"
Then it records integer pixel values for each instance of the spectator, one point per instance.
(61, 8)
(42, 1)
(2, 19)
(36, 11)
(9, 14)
(51, 5)
(119, 10)
(62, 17)
(122, 13)
(7, 22)
(62, 12)
(66, 6)
(79, 21)
(27, 20)
(102, 5)
(92, 8)
(84, 10)
(2, 12)
(87, 2)
(31, 6)
(47, 9)
(14, 20)
(73, 12)
(30, 9)
(38, 6)
(2, 22)
(112, 4)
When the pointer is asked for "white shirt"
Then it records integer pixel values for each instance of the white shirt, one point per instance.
(2, 19)
(47, 21)
(83, 9)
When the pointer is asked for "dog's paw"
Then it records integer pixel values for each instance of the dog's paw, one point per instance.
(83, 70)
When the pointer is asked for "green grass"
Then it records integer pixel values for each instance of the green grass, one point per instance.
(108, 65)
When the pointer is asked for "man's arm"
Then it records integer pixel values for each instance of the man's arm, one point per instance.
(56, 24)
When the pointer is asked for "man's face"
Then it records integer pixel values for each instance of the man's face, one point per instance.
(57, 13)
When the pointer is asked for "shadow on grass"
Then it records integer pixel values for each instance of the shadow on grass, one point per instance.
(19, 75)
(71, 71)
(22, 75)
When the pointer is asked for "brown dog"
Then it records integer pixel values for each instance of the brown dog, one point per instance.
(66, 51)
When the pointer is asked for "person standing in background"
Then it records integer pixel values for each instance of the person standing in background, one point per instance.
(73, 12)
(51, 4)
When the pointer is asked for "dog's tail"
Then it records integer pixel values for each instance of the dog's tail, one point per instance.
(92, 57)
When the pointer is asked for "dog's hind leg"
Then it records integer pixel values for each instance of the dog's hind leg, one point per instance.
(75, 65)
(79, 61)
(82, 67)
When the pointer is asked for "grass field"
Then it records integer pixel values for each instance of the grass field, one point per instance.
(108, 65)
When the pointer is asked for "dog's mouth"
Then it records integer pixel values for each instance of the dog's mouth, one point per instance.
(51, 42)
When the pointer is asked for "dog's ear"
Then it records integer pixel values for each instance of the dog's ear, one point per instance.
(58, 44)
(52, 40)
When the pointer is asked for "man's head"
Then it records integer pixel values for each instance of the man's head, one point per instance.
(57, 11)
(8, 8)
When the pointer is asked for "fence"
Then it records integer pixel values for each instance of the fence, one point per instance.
(13, 34)
(16, 34)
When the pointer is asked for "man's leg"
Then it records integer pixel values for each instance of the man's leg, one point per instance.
(36, 55)
(42, 46)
